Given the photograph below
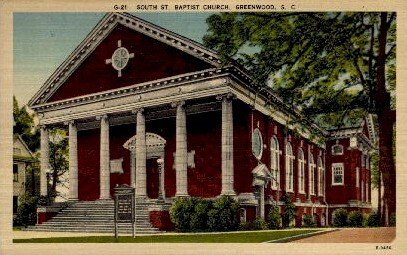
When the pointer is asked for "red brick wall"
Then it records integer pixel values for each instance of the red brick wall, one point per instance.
(161, 220)
(88, 164)
(152, 60)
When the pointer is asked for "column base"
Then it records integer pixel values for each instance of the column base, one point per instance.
(73, 199)
(228, 193)
(182, 195)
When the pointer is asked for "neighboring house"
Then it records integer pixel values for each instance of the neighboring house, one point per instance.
(22, 160)
(155, 110)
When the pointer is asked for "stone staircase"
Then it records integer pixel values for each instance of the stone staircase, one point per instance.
(97, 217)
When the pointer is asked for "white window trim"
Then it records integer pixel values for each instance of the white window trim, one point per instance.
(357, 176)
(301, 172)
(311, 180)
(275, 183)
(343, 174)
(289, 161)
(321, 174)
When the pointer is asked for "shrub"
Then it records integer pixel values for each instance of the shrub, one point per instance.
(223, 215)
(373, 220)
(355, 219)
(199, 219)
(181, 212)
(289, 211)
(308, 221)
(27, 211)
(392, 220)
(245, 226)
(274, 219)
(259, 224)
(340, 217)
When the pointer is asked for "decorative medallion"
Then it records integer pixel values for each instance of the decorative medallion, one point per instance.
(257, 143)
(120, 58)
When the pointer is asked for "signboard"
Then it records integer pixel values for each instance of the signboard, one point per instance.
(124, 206)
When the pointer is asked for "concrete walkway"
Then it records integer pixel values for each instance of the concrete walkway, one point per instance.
(354, 235)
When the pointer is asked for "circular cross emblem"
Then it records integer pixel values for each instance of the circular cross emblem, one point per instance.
(120, 58)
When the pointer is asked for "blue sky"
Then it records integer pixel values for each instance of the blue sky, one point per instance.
(42, 41)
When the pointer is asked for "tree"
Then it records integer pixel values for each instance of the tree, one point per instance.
(24, 126)
(333, 67)
(58, 159)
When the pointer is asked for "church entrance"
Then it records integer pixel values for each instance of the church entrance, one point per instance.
(153, 181)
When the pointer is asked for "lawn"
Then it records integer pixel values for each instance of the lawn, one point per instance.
(234, 237)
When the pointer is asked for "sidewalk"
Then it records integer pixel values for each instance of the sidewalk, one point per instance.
(17, 234)
(354, 235)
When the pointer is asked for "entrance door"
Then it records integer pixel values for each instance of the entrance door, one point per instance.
(152, 178)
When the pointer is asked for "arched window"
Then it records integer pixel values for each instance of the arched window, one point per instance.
(321, 177)
(275, 163)
(289, 167)
(311, 175)
(301, 171)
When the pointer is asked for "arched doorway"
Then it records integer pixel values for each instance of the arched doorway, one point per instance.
(155, 149)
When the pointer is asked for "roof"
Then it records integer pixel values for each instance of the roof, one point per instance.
(17, 137)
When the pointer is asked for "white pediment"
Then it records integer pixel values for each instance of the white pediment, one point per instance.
(152, 141)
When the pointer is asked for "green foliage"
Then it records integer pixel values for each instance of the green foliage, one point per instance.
(308, 221)
(392, 220)
(289, 211)
(58, 159)
(198, 215)
(274, 219)
(259, 224)
(199, 218)
(340, 217)
(24, 126)
(26, 211)
(355, 219)
(181, 211)
(223, 215)
(373, 220)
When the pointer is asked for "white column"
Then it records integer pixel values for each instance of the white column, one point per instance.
(262, 202)
(104, 158)
(44, 161)
(181, 151)
(73, 161)
(161, 192)
(141, 155)
(227, 146)
(132, 169)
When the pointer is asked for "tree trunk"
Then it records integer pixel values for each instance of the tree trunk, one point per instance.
(385, 121)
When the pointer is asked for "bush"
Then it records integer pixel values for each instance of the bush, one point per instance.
(199, 219)
(246, 226)
(392, 220)
(373, 220)
(223, 215)
(259, 224)
(289, 211)
(27, 211)
(340, 217)
(355, 219)
(308, 221)
(181, 212)
(274, 219)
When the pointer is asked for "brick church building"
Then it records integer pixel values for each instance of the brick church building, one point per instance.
(146, 107)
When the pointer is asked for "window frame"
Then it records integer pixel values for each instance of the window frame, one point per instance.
(15, 172)
(311, 177)
(289, 168)
(341, 165)
(275, 166)
(337, 146)
(321, 177)
(301, 171)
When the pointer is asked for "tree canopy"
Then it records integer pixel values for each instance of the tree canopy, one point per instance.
(335, 67)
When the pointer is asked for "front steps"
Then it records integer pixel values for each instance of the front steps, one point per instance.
(96, 217)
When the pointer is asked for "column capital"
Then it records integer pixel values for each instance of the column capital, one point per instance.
(102, 117)
(180, 103)
(70, 122)
(137, 110)
(226, 96)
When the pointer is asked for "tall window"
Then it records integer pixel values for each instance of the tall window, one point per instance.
(15, 172)
(337, 174)
(321, 177)
(311, 175)
(301, 171)
(357, 176)
(289, 167)
(275, 163)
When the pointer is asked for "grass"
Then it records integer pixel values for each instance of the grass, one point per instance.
(234, 237)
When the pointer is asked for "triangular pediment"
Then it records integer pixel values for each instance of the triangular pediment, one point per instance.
(155, 53)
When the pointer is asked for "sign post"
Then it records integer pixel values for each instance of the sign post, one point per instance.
(124, 207)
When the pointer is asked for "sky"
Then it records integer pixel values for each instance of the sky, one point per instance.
(42, 41)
